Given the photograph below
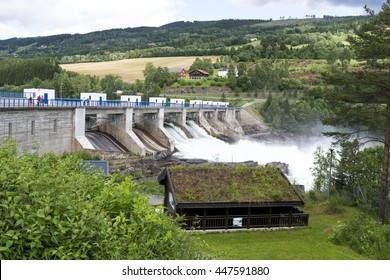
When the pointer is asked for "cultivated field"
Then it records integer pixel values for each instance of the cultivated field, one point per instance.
(131, 69)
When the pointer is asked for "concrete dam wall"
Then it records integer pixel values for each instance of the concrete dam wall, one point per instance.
(58, 130)
(48, 130)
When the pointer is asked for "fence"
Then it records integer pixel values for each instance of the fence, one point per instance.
(7, 94)
(70, 102)
(253, 221)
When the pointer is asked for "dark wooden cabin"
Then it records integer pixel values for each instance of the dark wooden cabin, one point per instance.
(198, 74)
(232, 197)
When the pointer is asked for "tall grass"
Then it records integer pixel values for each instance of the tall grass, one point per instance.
(365, 236)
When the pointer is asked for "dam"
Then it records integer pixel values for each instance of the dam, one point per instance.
(137, 128)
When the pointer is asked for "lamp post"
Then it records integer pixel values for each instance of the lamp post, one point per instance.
(61, 90)
(330, 171)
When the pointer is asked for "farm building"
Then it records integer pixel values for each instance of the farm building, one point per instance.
(131, 98)
(199, 74)
(92, 96)
(232, 197)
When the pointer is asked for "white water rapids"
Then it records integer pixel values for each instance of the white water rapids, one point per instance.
(298, 154)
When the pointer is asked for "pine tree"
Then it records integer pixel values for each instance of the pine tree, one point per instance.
(362, 95)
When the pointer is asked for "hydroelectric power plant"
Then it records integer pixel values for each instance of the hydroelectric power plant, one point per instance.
(217, 133)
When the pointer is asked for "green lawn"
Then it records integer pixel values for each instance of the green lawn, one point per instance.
(310, 243)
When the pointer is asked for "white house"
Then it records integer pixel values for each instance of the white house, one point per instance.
(131, 98)
(46, 94)
(93, 96)
(223, 72)
(158, 100)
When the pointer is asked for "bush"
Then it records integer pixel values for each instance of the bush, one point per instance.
(51, 209)
(365, 236)
(335, 205)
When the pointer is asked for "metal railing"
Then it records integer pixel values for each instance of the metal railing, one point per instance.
(252, 221)
(70, 102)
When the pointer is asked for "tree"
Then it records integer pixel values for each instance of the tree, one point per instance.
(204, 64)
(361, 98)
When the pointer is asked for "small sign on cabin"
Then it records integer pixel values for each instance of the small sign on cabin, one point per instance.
(237, 222)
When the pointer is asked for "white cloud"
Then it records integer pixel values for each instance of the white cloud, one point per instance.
(350, 3)
(300, 8)
(23, 18)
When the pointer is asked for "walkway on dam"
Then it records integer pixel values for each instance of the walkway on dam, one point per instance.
(74, 103)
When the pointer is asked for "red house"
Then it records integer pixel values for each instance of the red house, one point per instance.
(181, 71)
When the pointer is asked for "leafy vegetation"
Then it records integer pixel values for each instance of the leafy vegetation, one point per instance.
(297, 115)
(21, 71)
(365, 236)
(51, 209)
(355, 177)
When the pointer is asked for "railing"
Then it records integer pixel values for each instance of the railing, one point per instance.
(253, 221)
(70, 102)
(7, 94)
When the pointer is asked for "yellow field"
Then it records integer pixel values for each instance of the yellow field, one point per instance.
(131, 69)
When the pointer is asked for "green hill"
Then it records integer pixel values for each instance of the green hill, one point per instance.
(176, 39)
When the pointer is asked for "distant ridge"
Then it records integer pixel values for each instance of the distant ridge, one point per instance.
(181, 34)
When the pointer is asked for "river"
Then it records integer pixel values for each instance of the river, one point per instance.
(298, 153)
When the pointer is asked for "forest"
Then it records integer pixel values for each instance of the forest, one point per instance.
(279, 39)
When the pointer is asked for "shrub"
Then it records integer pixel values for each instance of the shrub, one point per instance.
(335, 205)
(51, 209)
(365, 236)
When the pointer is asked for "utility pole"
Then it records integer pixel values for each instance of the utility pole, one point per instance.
(330, 171)
(61, 91)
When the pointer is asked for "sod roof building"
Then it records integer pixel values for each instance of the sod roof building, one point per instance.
(226, 197)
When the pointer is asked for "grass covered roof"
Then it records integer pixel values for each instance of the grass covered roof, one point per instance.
(237, 183)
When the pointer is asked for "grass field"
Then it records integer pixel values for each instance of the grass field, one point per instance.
(310, 243)
(130, 69)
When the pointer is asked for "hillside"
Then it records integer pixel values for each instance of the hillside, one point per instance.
(178, 38)
(129, 69)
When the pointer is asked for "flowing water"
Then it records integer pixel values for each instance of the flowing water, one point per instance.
(298, 153)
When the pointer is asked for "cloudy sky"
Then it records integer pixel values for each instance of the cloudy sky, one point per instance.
(26, 18)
